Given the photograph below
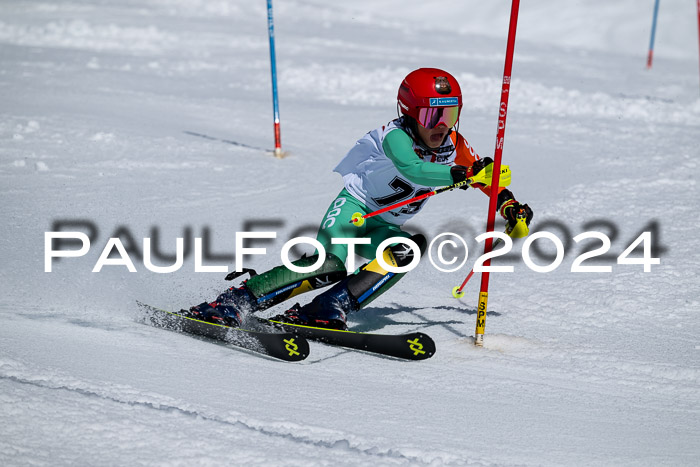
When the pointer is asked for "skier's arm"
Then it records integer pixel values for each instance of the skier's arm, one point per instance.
(398, 147)
(467, 157)
(506, 204)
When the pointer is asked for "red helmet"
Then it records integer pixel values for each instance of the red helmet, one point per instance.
(431, 96)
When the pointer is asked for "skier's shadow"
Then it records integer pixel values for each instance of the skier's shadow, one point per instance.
(373, 319)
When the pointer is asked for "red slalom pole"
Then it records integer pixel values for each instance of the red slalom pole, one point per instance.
(500, 137)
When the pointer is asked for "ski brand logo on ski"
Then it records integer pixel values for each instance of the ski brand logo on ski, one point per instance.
(416, 346)
(291, 347)
(420, 346)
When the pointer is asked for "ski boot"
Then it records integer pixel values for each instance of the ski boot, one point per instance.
(227, 309)
(334, 319)
(264, 290)
(327, 310)
(330, 309)
(225, 315)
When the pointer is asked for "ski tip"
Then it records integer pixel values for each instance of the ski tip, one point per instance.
(421, 346)
(296, 348)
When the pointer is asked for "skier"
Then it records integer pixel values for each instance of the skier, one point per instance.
(411, 155)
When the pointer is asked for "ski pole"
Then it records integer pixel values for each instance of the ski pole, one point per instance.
(358, 219)
(520, 230)
(500, 137)
(458, 290)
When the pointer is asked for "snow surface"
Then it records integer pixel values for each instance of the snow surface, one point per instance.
(99, 103)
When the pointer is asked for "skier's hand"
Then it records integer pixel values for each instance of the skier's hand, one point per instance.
(511, 210)
(478, 166)
(459, 173)
(481, 170)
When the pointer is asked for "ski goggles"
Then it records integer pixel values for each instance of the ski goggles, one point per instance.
(430, 117)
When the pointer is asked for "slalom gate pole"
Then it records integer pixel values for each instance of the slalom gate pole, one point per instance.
(493, 200)
(650, 56)
(273, 70)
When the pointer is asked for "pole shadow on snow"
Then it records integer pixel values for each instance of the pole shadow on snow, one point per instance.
(374, 319)
(227, 141)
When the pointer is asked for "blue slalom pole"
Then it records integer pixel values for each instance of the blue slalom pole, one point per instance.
(273, 70)
(653, 34)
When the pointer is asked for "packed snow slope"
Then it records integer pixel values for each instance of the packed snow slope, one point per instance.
(104, 105)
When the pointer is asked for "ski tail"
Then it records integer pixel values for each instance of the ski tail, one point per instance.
(280, 345)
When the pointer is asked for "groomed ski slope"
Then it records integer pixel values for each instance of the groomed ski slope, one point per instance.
(99, 103)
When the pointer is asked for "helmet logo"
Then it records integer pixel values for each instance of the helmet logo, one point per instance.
(442, 86)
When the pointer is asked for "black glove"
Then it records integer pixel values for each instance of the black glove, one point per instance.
(477, 167)
(459, 173)
(510, 209)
